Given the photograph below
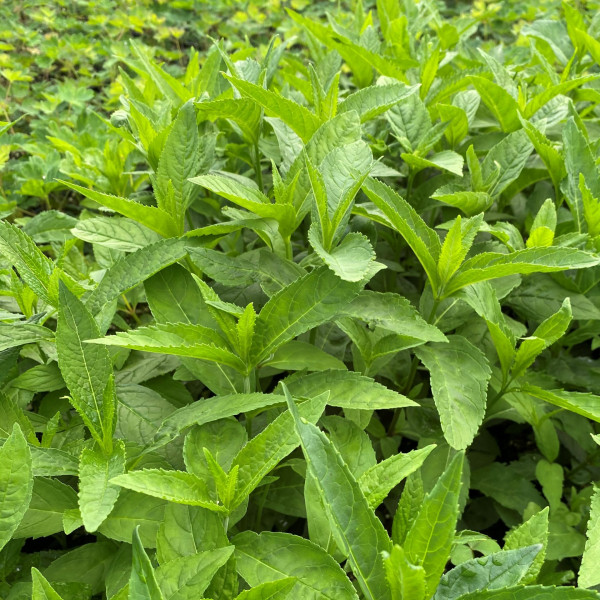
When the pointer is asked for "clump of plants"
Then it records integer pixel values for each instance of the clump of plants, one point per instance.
(319, 321)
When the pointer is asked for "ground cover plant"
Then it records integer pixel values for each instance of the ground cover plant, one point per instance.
(300, 301)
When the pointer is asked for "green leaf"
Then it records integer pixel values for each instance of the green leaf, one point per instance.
(187, 577)
(180, 159)
(297, 356)
(150, 216)
(471, 203)
(501, 104)
(446, 160)
(265, 451)
(308, 302)
(297, 117)
(377, 482)
(585, 404)
(272, 590)
(19, 334)
(406, 581)
(16, 483)
(41, 588)
(349, 390)
(491, 265)
(457, 243)
(534, 592)
(588, 573)
(351, 260)
(350, 517)
(31, 263)
(430, 536)
(86, 368)
(532, 531)
(243, 111)
(548, 332)
(459, 378)
(97, 496)
(374, 100)
(179, 339)
(273, 556)
(492, 572)
(134, 268)
(423, 241)
(174, 486)
(117, 233)
(142, 582)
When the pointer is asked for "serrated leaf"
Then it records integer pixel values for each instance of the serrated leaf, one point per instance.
(174, 486)
(494, 571)
(406, 581)
(354, 525)
(272, 590)
(459, 378)
(243, 111)
(19, 334)
(41, 588)
(142, 582)
(274, 556)
(588, 573)
(118, 233)
(97, 496)
(372, 101)
(581, 403)
(16, 483)
(534, 592)
(429, 539)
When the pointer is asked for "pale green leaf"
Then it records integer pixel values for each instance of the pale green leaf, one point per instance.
(374, 100)
(142, 582)
(581, 403)
(406, 581)
(589, 575)
(41, 588)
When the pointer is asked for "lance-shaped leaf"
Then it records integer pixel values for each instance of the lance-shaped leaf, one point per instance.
(492, 572)
(115, 232)
(430, 536)
(459, 378)
(533, 592)
(502, 105)
(275, 556)
(174, 486)
(264, 452)
(297, 117)
(271, 590)
(152, 217)
(187, 577)
(406, 581)
(86, 368)
(402, 217)
(16, 483)
(377, 482)
(491, 265)
(180, 339)
(97, 496)
(374, 100)
(347, 390)
(142, 582)
(548, 332)
(584, 404)
(19, 334)
(243, 111)
(589, 574)
(133, 269)
(356, 529)
(212, 409)
(33, 266)
(41, 588)
(307, 303)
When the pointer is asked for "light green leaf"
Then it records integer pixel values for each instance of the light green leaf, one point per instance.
(459, 378)
(406, 581)
(19, 334)
(350, 517)
(589, 575)
(142, 582)
(187, 577)
(243, 111)
(501, 104)
(471, 203)
(272, 590)
(31, 263)
(134, 268)
(174, 486)
(297, 356)
(150, 216)
(41, 588)
(423, 241)
(307, 303)
(585, 404)
(86, 368)
(446, 160)
(491, 265)
(97, 496)
(430, 536)
(492, 572)
(377, 482)
(297, 117)
(348, 390)
(457, 243)
(351, 260)
(265, 451)
(374, 100)
(548, 332)
(532, 531)
(534, 592)
(16, 483)
(118, 233)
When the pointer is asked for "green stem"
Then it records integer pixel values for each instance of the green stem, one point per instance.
(258, 168)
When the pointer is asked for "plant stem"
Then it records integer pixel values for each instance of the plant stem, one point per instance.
(258, 168)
